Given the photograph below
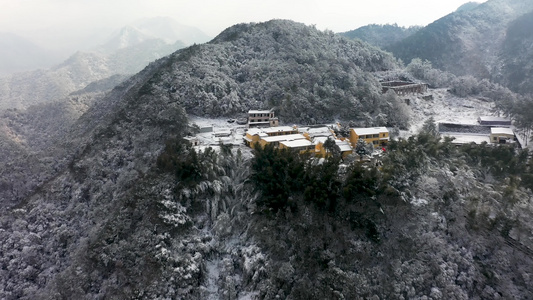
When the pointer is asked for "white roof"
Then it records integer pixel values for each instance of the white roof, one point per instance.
(320, 139)
(321, 131)
(343, 145)
(297, 143)
(366, 131)
(223, 130)
(254, 131)
(287, 137)
(492, 118)
(278, 129)
(501, 130)
(259, 111)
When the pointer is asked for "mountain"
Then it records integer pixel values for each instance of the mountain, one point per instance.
(469, 41)
(194, 79)
(246, 67)
(381, 35)
(109, 156)
(516, 55)
(126, 52)
(468, 6)
(18, 54)
(20, 90)
(121, 207)
(171, 30)
(127, 36)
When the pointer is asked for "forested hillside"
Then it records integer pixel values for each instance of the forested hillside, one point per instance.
(381, 35)
(119, 206)
(21, 90)
(89, 170)
(306, 75)
(517, 55)
(476, 41)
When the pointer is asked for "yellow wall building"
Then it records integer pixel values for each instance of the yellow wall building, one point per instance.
(276, 140)
(344, 146)
(280, 130)
(262, 118)
(501, 135)
(264, 136)
(300, 145)
(253, 136)
(377, 136)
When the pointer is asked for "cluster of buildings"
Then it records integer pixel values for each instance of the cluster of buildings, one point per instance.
(495, 130)
(500, 129)
(263, 130)
(404, 87)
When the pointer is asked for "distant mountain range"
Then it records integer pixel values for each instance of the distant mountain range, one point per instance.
(19, 54)
(21, 90)
(488, 40)
(125, 52)
(477, 41)
(171, 30)
(381, 35)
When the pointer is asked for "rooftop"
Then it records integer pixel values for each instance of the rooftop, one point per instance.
(254, 131)
(320, 131)
(365, 131)
(343, 145)
(492, 119)
(280, 138)
(259, 111)
(278, 129)
(501, 130)
(297, 143)
(320, 139)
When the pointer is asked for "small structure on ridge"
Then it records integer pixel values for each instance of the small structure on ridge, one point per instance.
(262, 118)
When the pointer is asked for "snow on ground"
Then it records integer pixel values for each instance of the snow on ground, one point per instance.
(222, 131)
(460, 138)
(446, 108)
(213, 274)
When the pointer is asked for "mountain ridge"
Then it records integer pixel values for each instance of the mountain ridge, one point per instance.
(466, 42)
(381, 35)
(21, 90)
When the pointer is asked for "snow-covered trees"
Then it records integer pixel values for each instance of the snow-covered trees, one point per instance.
(132, 211)
(307, 75)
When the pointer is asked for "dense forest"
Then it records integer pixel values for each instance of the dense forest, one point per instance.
(308, 76)
(117, 205)
(490, 40)
(381, 35)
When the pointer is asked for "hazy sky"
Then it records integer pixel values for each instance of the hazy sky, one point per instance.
(33, 17)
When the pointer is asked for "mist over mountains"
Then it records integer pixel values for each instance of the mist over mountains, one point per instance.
(21, 54)
(125, 52)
